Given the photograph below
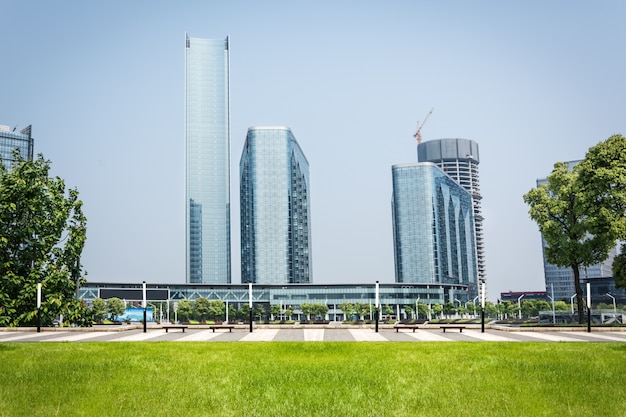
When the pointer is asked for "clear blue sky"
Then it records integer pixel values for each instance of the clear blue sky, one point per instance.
(102, 83)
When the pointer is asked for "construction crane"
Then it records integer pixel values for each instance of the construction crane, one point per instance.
(418, 134)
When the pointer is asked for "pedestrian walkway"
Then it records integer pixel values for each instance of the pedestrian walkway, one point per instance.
(309, 335)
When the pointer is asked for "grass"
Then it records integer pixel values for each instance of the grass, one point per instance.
(312, 379)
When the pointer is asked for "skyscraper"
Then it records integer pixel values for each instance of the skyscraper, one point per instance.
(432, 228)
(459, 158)
(207, 155)
(11, 140)
(275, 209)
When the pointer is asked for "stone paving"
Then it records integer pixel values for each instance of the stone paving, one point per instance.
(332, 334)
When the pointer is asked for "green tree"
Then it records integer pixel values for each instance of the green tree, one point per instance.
(347, 309)
(201, 308)
(449, 309)
(320, 310)
(115, 307)
(275, 310)
(217, 309)
(185, 310)
(438, 310)
(576, 234)
(561, 306)
(99, 309)
(307, 310)
(408, 311)
(422, 310)
(619, 268)
(42, 235)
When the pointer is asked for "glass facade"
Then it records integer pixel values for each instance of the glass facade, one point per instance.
(432, 228)
(459, 158)
(11, 140)
(394, 295)
(275, 209)
(207, 156)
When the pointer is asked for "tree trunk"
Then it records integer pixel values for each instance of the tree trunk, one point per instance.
(579, 294)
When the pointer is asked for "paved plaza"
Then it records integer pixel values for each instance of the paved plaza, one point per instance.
(336, 334)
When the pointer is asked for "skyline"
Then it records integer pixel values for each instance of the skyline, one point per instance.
(531, 84)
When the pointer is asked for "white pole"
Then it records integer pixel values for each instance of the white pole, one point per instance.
(377, 305)
(226, 311)
(250, 294)
(145, 305)
(553, 312)
(588, 295)
(39, 295)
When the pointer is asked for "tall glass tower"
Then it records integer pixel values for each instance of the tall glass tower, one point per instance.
(459, 158)
(433, 228)
(207, 155)
(11, 140)
(275, 209)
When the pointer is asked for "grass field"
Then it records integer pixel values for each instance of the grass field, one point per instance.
(312, 379)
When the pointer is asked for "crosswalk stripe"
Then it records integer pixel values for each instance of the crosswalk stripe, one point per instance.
(260, 335)
(488, 337)
(427, 336)
(367, 335)
(200, 336)
(313, 335)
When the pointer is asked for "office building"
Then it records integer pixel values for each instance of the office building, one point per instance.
(207, 156)
(433, 229)
(11, 140)
(561, 279)
(459, 158)
(275, 209)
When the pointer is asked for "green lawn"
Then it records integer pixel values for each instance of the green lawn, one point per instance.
(312, 379)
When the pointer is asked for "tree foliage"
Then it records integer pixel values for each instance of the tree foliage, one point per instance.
(573, 212)
(115, 307)
(42, 235)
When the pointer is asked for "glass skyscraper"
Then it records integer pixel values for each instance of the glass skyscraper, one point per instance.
(11, 140)
(459, 158)
(433, 228)
(275, 209)
(207, 156)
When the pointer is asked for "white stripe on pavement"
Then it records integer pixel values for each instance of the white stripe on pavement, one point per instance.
(260, 335)
(549, 337)
(29, 335)
(313, 335)
(138, 337)
(76, 337)
(367, 335)
(199, 336)
(489, 337)
(428, 336)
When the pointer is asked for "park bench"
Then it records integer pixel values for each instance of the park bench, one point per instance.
(453, 327)
(406, 326)
(222, 326)
(174, 326)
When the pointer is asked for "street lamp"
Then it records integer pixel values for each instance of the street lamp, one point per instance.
(614, 306)
(250, 303)
(519, 305)
(482, 307)
(376, 307)
(145, 306)
(571, 301)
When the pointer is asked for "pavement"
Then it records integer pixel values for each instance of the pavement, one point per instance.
(328, 334)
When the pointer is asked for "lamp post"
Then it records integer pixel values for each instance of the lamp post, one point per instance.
(417, 316)
(482, 307)
(376, 307)
(571, 301)
(588, 307)
(39, 307)
(519, 305)
(250, 303)
(614, 306)
(552, 299)
(145, 307)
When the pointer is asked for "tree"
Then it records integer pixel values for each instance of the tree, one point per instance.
(438, 309)
(320, 310)
(576, 234)
(449, 309)
(99, 309)
(115, 307)
(307, 310)
(408, 311)
(275, 310)
(422, 310)
(619, 268)
(217, 309)
(201, 308)
(42, 235)
(347, 309)
(185, 310)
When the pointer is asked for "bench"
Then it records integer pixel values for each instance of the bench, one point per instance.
(175, 326)
(222, 326)
(406, 326)
(453, 327)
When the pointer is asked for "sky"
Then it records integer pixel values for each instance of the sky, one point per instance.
(102, 83)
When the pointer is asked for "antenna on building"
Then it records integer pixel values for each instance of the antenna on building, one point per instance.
(418, 134)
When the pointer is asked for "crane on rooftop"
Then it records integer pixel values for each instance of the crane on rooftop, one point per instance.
(418, 134)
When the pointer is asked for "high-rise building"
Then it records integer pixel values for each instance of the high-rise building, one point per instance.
(459, 158)
(433, 228)
(11, 140)
(207, 156)
(275, 209)
(560, 280)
